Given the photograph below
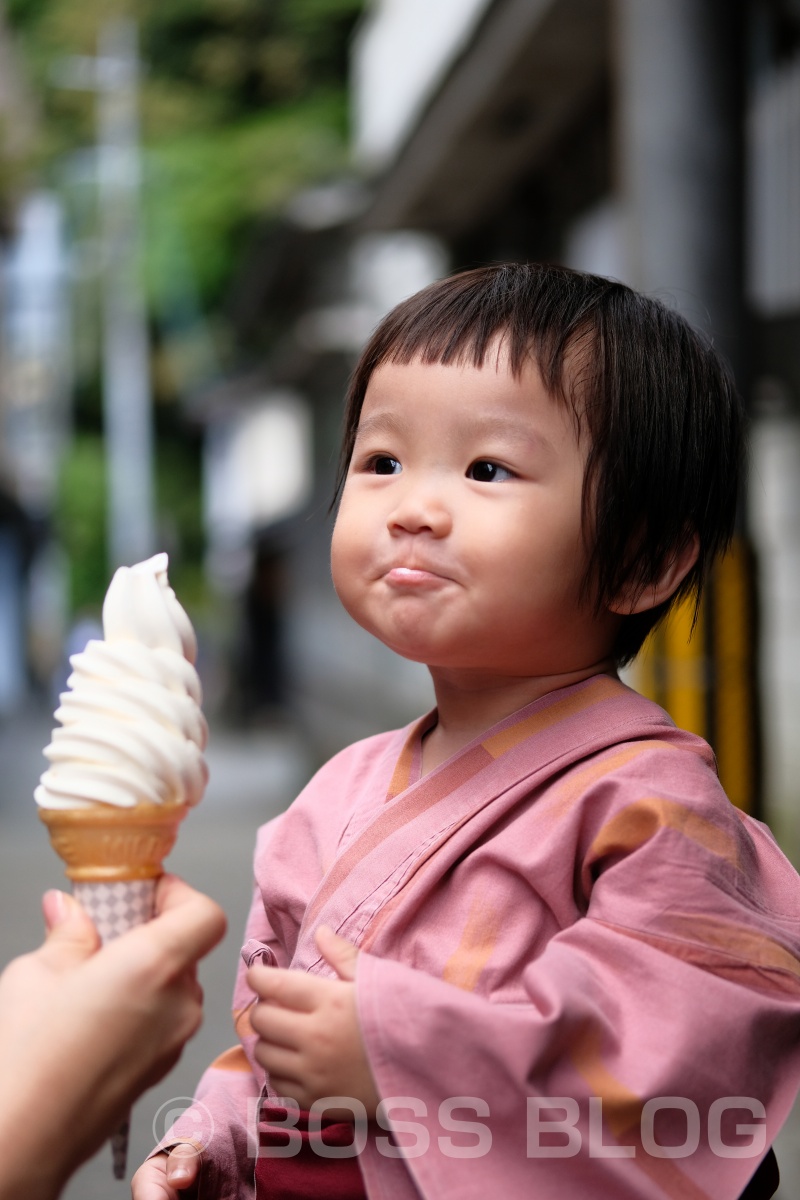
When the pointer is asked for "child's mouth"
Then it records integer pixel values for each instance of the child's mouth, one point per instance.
(413, 577)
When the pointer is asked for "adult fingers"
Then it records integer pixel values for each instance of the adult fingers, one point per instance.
(189, 984)
(161, 1065)
(71, 936)
(196, 921)
(187, 925)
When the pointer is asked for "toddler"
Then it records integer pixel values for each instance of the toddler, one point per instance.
(524, 946)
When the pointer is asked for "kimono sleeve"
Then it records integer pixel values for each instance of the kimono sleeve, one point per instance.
(656, 1052)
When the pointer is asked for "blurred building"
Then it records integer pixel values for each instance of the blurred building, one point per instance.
(655, 141)
(34, 383)
(312, 287)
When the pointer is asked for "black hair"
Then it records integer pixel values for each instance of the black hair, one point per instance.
(664, 422)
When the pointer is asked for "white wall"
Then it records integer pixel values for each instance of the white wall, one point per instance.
(403, 50)
(775, 517)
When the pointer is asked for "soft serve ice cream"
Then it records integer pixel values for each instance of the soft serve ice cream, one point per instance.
(127, 760)
(131, 728)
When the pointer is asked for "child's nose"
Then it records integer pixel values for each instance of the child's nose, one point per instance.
(419, 510)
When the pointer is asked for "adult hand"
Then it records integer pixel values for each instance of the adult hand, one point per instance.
(84, 1030)
(310, 1040)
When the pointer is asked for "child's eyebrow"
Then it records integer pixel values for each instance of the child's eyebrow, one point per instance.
(487, 425)
(377, 423)
(508, 428)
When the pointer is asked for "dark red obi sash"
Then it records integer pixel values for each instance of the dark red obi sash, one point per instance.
(307, 1174)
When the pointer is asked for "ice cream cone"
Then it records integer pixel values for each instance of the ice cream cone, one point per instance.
(107, 844)
(126, 758)
(114, 858)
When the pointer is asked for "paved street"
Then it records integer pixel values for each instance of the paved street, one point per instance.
(252, 777)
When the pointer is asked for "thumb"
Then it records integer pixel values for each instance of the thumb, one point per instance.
(337, 952)
(71, 936)
(182, 1165)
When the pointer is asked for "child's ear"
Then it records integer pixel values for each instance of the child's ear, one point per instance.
(631, 600)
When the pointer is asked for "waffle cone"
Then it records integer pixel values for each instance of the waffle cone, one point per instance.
(104, 844)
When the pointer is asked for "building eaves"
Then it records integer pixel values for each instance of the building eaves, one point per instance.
(530, 73)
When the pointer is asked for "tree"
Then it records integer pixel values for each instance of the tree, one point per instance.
(242, 103)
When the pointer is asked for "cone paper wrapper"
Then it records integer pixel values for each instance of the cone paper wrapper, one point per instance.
(114, 858)
(115, 908)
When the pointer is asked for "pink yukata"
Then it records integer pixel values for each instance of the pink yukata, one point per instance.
(565, 921)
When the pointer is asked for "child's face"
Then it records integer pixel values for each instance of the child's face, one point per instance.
(458, 541)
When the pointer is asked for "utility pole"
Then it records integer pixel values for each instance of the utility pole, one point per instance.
(127, 404)
(681, 120)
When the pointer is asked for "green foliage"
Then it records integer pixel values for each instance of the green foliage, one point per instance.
(213, 184)
(242, 102)
(81, 520)
(245, 55)
(180, 518)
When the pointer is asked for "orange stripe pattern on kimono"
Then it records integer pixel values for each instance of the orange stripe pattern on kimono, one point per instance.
(567, 928)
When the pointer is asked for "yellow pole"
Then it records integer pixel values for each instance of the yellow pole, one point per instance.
(735, 738)
(707, 684)
(685, 673)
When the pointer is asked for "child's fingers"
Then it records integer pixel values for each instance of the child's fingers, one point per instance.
(280, 1026)
(151, 1181)
(338, 952)
(282, 1065)
(292, 1090)
(183, 1163)
(290, 989)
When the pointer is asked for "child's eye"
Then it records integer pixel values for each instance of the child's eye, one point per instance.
(488, 472)
(384, 464)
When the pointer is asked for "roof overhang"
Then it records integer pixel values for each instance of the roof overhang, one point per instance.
(529, 74)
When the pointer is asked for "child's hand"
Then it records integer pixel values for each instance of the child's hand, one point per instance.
(165, 1176)
(309, 1038)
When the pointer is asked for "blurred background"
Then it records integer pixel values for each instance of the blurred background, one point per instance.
(205, 207)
